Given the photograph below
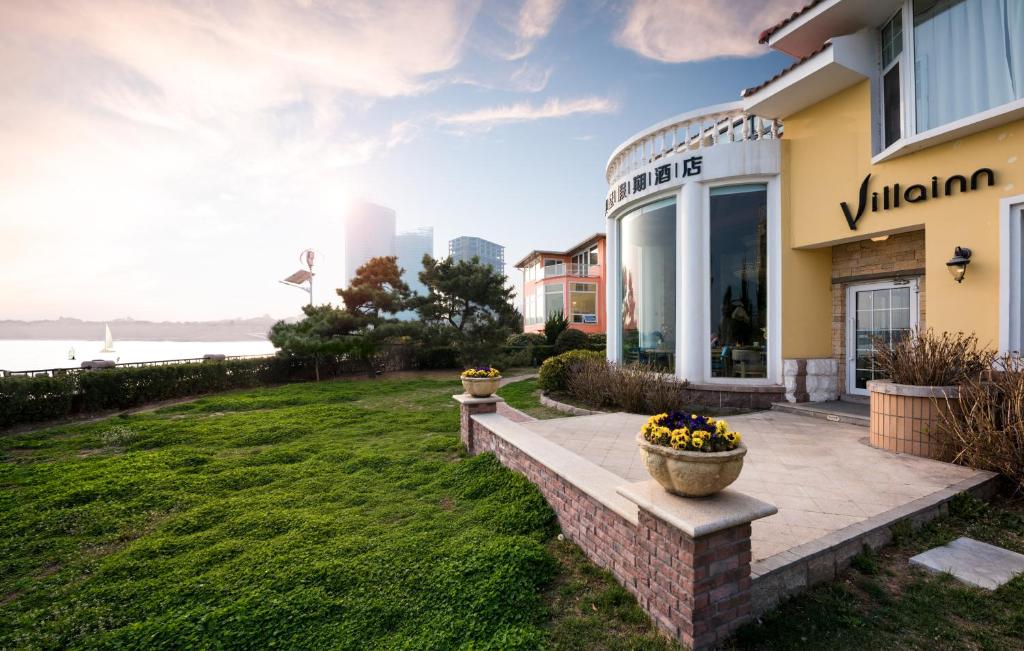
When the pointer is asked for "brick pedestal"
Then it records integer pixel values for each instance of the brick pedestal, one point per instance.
(687, 561)
(469, 407)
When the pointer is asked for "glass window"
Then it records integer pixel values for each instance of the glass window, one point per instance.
(738, 240)
(583, 302)
(892, 46)
(891, 106)
(968, 57)
(554, 300)
(648, 253)
(892, 39)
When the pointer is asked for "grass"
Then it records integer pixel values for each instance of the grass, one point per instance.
(882, 602)
(524, 395)
(338, 514)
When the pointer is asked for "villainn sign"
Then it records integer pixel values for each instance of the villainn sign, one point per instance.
(895, 195)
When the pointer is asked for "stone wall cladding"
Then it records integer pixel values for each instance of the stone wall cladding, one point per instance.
(811, 380)
(902, 255)
(696, 590)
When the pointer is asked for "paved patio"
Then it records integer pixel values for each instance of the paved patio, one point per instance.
(822, 476)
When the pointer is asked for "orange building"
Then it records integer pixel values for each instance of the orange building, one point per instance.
(570, 282)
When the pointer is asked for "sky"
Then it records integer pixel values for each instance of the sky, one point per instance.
(169, 159)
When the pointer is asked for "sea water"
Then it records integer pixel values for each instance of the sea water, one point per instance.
(33, 354)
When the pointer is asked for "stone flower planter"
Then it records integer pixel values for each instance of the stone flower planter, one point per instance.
(480, 387)
(906, 418)
(691, 474)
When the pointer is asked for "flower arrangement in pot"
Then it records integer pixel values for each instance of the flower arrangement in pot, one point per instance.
(691, 455)
(481, 381)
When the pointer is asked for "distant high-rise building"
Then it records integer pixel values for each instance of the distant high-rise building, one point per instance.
(410, 246)
(465, 248)
(369, 233)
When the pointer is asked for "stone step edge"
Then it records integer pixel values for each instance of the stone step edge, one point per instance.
(803, 409)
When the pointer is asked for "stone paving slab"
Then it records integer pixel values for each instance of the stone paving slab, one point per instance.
(823, 476)
(973, 562)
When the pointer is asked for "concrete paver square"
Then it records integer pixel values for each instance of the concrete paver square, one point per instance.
(973, 562)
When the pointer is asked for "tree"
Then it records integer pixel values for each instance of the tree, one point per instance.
(472, 299)
(555, 325)
(325, 330)
(377, 289)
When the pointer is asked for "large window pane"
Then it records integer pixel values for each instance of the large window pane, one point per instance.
(554, 300)
(583, 302)
(739, 281)
(648, 254)
(968, 57)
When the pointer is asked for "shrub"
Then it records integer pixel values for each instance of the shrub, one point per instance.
(33, 399)
(925, 358)
(986, 424)
(523, 339)
(598, 340)
(572, 339)
(30, 399)
(555, 325)
(555, 370)
(636, 388)
(437, 357)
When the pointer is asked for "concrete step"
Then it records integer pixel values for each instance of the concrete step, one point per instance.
(836, 411)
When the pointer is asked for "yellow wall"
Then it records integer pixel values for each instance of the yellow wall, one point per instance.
(827, 153)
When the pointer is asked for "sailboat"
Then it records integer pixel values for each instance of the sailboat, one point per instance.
(108, 341)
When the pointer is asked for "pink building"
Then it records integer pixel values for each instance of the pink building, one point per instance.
(569, 281)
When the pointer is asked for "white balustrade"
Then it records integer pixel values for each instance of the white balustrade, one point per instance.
(697, 130)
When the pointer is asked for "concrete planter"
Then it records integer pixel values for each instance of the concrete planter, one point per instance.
(691, 474)
(481, 387)
(906, 418)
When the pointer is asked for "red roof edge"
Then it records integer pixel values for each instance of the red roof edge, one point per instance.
(750, 91)
(767, 34)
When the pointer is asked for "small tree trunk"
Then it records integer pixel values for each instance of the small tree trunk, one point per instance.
(316, 366)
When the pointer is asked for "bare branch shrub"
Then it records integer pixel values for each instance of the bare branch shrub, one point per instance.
(925, 358)
(639, 388)
(986, 424)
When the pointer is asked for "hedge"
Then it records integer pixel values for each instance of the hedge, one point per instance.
(39, 398)
(555, 370)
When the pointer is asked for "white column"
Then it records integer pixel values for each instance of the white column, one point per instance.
(612, 287)
(691, 348)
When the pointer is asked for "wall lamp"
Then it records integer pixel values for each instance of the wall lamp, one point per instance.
(957, 265)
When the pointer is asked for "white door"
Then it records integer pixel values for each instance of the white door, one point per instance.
(885, 311)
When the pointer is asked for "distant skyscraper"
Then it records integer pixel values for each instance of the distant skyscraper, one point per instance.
(369, 233)
(410, 246)
(465, 248)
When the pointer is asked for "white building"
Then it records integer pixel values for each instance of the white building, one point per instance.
(369, 233)
(466, 248)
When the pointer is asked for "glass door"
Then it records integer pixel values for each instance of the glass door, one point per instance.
(883, 312)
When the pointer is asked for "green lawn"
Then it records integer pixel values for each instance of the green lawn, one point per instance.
(339, 514)
(345, 515)
(524, 395)
(884, 603)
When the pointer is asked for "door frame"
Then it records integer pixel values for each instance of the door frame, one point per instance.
(1011, 274)
(851, 322)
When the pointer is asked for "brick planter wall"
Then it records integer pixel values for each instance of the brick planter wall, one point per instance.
(905, 418)
(693, 580)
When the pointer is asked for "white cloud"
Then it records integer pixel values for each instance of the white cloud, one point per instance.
(487, 118)
(135, 134)
(678, 31)
(536, 18)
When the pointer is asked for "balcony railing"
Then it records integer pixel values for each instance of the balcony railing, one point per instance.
(572, 269)
(687, 133)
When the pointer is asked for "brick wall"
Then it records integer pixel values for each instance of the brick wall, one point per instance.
(696, 590)
(902, 255)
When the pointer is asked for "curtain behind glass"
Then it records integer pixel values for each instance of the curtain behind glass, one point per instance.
(968, 57)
